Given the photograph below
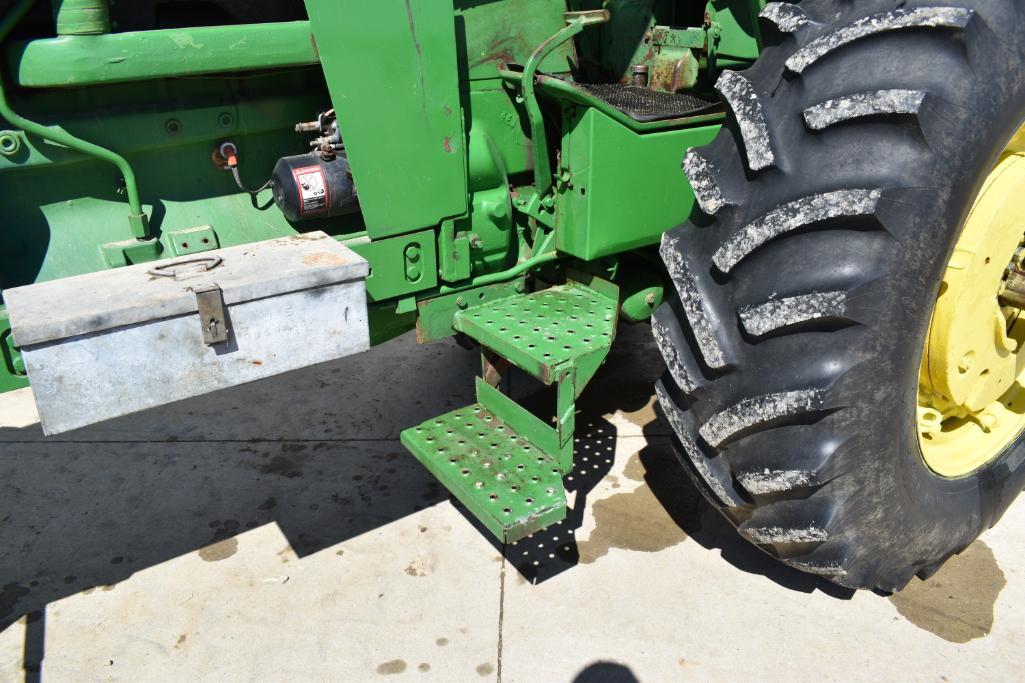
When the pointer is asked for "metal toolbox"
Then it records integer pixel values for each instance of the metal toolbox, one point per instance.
(115, 342)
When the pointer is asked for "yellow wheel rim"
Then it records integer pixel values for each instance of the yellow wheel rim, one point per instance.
(971, 396)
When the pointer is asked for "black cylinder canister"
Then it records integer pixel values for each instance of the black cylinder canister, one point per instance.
(309, 186)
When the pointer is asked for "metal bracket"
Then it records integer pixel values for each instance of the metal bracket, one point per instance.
(212, 317)
(575, 23)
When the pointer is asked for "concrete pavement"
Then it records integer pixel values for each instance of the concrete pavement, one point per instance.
(280, 531)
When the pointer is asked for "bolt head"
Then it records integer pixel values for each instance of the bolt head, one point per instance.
(965, 364)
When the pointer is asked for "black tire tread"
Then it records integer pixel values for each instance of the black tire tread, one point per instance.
(769, 447)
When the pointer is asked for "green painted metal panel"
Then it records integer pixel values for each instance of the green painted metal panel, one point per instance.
(623, 189)
(436, 316)
(74, 203)
(400, 265)
(12, 366)
(391, 69)
(68, 61)
(493, 34)
(525, 423)
(738, 26)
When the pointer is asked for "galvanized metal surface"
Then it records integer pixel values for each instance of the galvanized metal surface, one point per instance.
(100, 301)
(290, 303)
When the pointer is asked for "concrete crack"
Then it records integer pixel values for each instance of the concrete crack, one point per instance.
(501, 616)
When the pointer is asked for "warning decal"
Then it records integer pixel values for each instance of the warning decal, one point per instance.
(312, 189)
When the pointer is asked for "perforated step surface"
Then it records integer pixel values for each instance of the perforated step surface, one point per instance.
(506, 481)
(542, 331)
(644, 104)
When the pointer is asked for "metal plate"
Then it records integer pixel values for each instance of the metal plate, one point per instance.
(115, 342)
(644, 104)
(104, 300)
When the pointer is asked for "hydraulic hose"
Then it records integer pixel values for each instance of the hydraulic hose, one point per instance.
(136, 217)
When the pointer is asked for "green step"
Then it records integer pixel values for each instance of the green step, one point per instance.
(505, 480)
(545, 332)
(502, 462)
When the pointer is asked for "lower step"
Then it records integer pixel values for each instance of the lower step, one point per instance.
(507, 482)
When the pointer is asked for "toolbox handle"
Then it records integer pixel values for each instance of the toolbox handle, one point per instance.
(173, 269)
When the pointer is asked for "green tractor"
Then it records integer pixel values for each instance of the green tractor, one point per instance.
(817, 207)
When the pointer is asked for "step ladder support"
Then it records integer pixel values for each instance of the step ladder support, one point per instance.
(501, 461)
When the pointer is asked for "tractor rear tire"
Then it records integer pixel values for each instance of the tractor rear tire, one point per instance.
(834, 195)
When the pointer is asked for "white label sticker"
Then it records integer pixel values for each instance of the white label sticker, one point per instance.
(312, 189)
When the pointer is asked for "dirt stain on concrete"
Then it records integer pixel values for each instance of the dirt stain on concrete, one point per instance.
(289, 464)
(420, 567)
(181, 641)
(395, 666)
(957, 603)
(221, 550)
(641, 519)
(424, 667)
(441, 642)
(634, 520)
(634, 469)
(485, 669)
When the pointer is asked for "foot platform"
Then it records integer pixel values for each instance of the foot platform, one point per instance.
(507, 482)
(645, 104)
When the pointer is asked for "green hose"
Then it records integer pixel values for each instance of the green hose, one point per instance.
(137, 219)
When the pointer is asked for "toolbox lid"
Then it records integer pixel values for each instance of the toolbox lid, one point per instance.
(84, 304)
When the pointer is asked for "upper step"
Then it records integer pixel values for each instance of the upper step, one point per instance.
(544, 332)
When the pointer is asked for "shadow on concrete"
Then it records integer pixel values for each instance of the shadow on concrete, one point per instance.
(606, 672)
(87, 511)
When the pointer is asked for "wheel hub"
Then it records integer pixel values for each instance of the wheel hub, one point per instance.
(972, 383)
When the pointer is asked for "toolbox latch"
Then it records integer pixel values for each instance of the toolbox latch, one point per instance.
(212, 317)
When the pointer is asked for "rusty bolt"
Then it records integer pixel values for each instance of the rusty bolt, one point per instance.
(639, 75)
